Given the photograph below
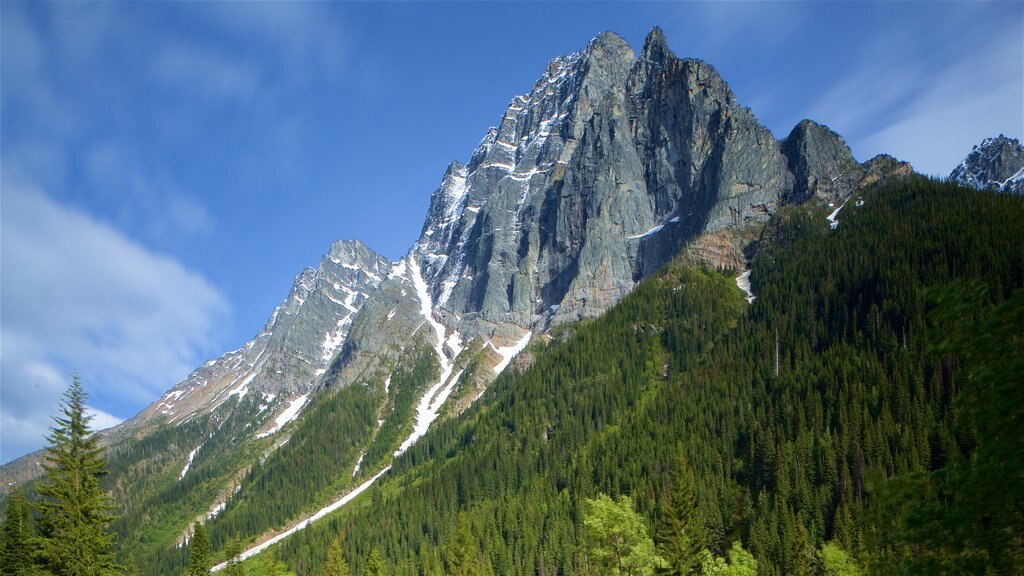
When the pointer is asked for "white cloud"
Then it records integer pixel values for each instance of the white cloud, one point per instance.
(79, 296)
(148, 205)
(100, 419)
(206, 72)
(929, 111)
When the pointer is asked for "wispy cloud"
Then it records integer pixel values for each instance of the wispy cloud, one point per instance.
(929, 108)
(77, 295)
(148, 205)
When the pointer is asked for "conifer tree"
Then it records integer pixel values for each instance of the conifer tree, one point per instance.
(681, 536)
(336, 565)
(199, 552)
(74, 513)
(234, 553)
(16, 534)
(461, 557)
(269, 563)
(375, 566)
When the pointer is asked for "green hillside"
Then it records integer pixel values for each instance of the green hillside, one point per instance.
(850, 368)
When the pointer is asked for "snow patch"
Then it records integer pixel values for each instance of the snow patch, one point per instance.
(188, 464)
(359, 463)
(306, 522)
(431, 402)
(507, 353)
(743, 281)
(833, 223)
(287, 416)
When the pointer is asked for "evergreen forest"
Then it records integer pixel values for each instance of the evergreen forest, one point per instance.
(862, 415)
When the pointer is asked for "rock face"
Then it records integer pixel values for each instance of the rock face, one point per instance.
(601, 174)
(295, 346)
(604, 171)
(995, 164)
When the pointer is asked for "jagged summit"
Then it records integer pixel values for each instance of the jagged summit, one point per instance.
(995, 164)
(656, 48)
(599, 175)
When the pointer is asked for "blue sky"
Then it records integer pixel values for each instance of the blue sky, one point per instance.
(169, 168)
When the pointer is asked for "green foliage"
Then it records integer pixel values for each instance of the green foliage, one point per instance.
(681, 536)
(462, 556)
(966, 517)
(336, 565)
(16, 537)
(782, 458)
(375, 565)
(199, 551)
(74, 513)
(233, 553)
(269, 563)
(836, 562)
(740, 563)
(616, 538)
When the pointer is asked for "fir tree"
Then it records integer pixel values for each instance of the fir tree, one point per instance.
(16, 534)
(269, 563)
(336, 565)
(681, 536)
(461, 556)
(234, 552)
(74, 513)
(375, 565)
(199, 552)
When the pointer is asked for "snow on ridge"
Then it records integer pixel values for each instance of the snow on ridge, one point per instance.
(287, 416)
(655, 230)
(432, 401)
(743, 282)
(302, 524)
(188, 464)
(833, 223)
(507, 353)
(359, 464)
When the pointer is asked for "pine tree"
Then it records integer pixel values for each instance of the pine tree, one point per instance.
(234, 552)
(269, 563)
(74, 513)
(681, 536)
(336, 565)
(461, 556)
(375, 565)
(199, 552)
(16, 545)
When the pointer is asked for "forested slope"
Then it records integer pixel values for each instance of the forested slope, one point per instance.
(846, 404)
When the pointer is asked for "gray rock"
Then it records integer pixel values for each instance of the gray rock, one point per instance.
(996, 164)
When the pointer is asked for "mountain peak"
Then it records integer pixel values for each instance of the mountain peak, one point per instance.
(656, 48)
(995, 164)
(609, 45)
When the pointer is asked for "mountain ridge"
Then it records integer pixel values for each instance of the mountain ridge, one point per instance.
(610, 166)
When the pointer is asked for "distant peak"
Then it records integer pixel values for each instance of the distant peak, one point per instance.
(656, 48)
(351, 252)
(455, 168)
(609, 44)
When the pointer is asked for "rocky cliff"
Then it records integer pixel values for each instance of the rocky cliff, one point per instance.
(995, 164)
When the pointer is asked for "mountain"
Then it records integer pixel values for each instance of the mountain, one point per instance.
(995, 164)
(859, 399)
(609, 168)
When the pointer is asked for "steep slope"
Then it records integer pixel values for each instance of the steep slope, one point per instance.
(786, 408)
(597, 177)
(995, 164)
(294, 348)
(592, 181)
